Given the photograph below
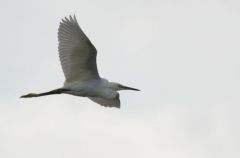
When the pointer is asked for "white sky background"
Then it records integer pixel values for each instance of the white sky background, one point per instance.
(183, 55)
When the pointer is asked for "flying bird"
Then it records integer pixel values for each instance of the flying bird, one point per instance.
(78, 60)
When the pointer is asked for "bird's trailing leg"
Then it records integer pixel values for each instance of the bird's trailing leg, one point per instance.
(56, 91)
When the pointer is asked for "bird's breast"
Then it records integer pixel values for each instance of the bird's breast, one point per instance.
(92, 88)
(86, 88)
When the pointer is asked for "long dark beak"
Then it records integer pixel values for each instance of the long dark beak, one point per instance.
(128, 88)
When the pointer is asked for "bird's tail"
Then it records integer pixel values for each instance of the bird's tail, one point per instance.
(55, 91)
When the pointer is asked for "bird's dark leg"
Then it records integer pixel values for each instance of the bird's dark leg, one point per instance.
(56, 91)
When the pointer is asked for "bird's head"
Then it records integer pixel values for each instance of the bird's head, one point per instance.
(118, 87)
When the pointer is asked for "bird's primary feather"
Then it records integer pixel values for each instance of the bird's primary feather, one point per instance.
(115, 102)
(77, 54)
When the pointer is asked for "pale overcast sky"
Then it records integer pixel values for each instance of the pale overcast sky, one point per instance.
(183, 54)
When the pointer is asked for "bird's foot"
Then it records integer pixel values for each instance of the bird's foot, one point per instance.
(30, 95)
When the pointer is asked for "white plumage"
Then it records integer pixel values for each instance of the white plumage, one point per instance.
(78, 60)
(76, 52)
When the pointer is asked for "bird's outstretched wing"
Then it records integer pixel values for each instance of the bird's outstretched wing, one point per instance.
(115, 102)
(77, 54)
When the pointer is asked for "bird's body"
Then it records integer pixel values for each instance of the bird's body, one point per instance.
(78, 60)
(92, 88)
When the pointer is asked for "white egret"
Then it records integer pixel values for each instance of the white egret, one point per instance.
(78, 60)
